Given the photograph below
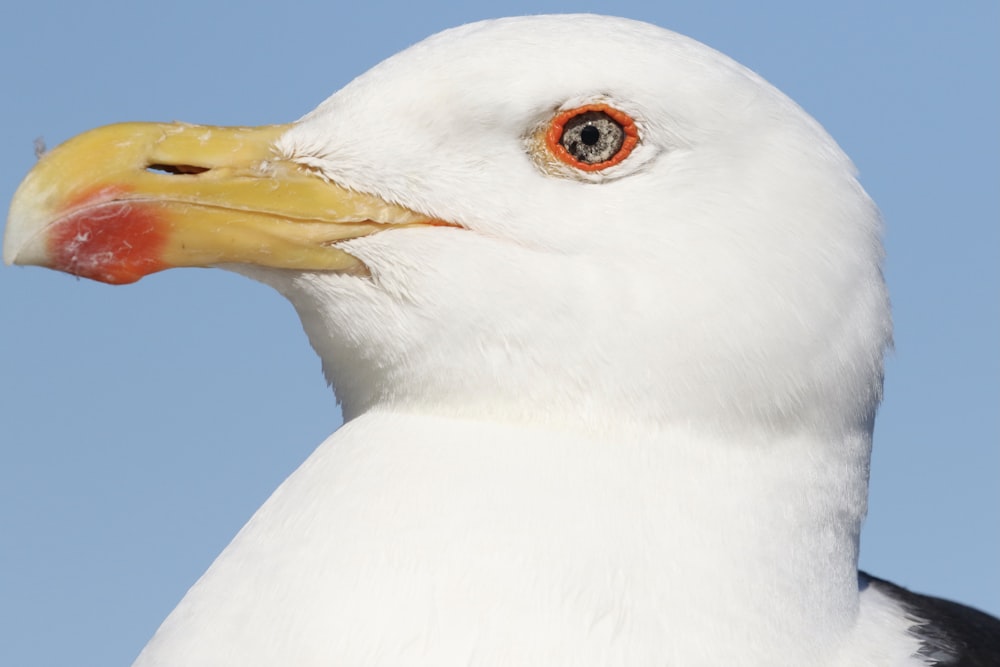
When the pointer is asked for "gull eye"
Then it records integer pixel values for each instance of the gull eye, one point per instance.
(592, 137)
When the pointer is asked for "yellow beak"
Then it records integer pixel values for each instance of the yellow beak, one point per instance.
(120, 202)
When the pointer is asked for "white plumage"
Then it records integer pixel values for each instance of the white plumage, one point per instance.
(619, 417)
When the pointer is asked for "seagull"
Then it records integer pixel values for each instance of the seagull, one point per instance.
(605, 314)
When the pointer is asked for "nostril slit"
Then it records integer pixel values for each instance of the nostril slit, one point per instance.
(176, 169)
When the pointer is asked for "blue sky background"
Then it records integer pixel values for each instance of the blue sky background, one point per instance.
(141, 426)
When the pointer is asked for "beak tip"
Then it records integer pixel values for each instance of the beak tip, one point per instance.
(17, 249)
(24, 236)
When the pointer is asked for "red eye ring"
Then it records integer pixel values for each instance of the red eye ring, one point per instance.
(557, 128)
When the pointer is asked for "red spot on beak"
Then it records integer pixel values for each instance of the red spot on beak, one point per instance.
(107, 239)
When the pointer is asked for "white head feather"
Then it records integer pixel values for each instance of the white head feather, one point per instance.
(727, 273)
(613, 413)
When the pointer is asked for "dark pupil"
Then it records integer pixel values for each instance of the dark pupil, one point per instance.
(590, 135)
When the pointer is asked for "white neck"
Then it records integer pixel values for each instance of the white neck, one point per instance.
(513, 545)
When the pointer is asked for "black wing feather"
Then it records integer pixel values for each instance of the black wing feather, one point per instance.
(953, 635)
